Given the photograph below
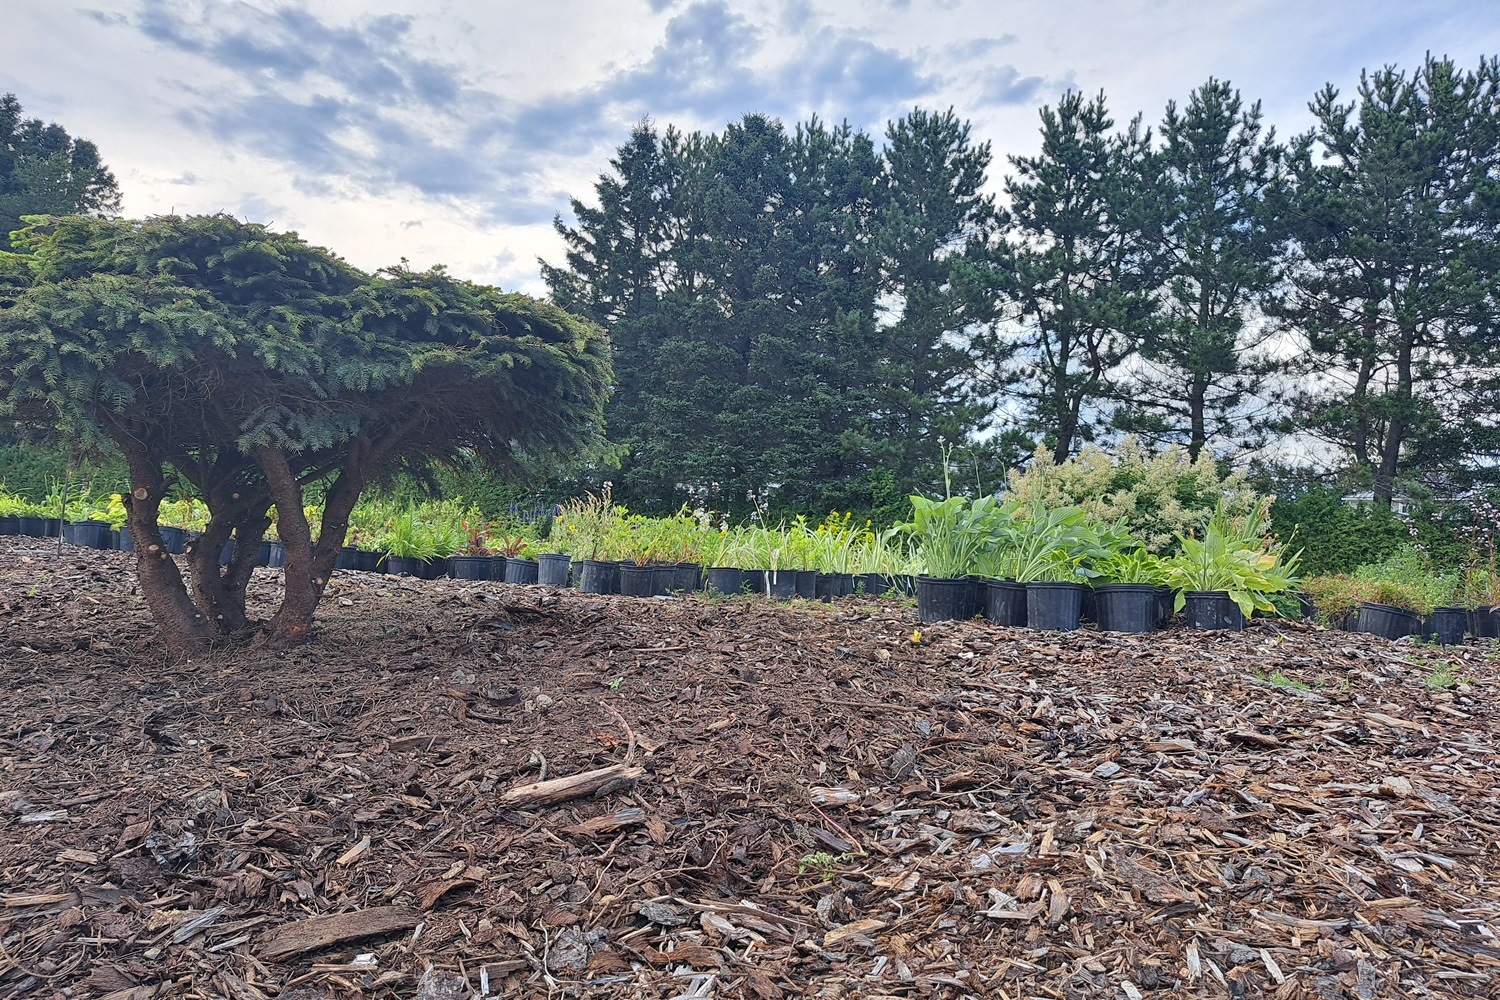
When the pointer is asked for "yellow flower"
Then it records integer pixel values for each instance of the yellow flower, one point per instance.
(916, 635)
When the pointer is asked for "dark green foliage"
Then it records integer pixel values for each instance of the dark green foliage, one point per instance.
(254, 366)
(45, 171)
(1399, 238)
(1083, 270)
(33, 469)
(1339, 537)
(741, 276)
(1215, 212)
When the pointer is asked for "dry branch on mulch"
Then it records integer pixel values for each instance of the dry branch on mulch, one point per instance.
(814, 803)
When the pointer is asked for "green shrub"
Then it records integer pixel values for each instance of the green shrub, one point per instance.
(1159, 498)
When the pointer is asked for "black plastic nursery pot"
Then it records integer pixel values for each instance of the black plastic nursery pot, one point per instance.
(807, 583)
(1126, 607)
(1484, 623)
(875, 584)
(781, 584)
(471, 567)
(977, 596)
(664, 581)
(275, 555)
(681, 578)
(405, 566)
(1448, 625)
(9, 525)
(726, 580)
(637, 581)
(1166, 604)
(552, 569)
(175, 539)
(944, 599)
(348, 558)
(828, 587)
(1213, 610)
(1387, 621)
(87, 534)
(366, 561)
(31, 525)
(1005, 603)
(521, 571)
(598, 577)
(1054, 606)
(754, 581)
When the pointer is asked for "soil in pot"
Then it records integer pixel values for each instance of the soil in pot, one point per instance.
(944, 599)
(1387, 621)
(1448, 625)
(1055, 606)
(521, 571)
(1213, 610)
(552, 569)
(1126, 607)
(598, 577)
(1005, 603)
(725, 580)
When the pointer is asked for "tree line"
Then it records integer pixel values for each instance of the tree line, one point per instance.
(804, 318)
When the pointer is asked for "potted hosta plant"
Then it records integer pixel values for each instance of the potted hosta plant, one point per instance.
(1225, 576)
(947, 536)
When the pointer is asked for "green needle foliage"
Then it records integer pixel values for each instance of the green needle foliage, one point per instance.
(251, 366)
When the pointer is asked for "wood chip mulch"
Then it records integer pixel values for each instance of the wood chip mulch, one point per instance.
(462, 790)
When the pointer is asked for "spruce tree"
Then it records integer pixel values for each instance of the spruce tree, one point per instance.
(45, 171)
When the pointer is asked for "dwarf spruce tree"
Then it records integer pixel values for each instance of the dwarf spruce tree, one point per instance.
(252, 366)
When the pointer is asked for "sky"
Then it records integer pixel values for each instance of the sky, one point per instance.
(454, 132)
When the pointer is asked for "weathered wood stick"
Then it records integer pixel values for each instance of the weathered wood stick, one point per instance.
(574, 786)
(319, 932)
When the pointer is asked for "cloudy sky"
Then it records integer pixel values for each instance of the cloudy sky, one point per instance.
(454, 130)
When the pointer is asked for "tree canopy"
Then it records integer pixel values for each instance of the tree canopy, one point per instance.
(45, 171)
(253, 366)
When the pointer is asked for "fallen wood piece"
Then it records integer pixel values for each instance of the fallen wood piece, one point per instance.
(320, 932)
(574, 786)
(609, 822)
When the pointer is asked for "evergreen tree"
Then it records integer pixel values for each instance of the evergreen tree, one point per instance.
(1082, 270)
(1214, 184)
(936, 236)
(1396, 277)
(45, 171)
(252, 366)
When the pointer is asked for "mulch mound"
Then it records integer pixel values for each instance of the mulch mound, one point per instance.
(816, 800)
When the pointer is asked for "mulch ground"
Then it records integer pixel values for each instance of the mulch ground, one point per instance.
(808, 801)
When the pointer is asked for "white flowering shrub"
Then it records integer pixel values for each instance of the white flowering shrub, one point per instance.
(1157, 496)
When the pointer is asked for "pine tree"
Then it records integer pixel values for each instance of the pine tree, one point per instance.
(1214, 191)
(1396, 277)
(936, 236)
(1082, 270)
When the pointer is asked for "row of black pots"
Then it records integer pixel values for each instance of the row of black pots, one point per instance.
(1061, 606)
(1447, 626)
